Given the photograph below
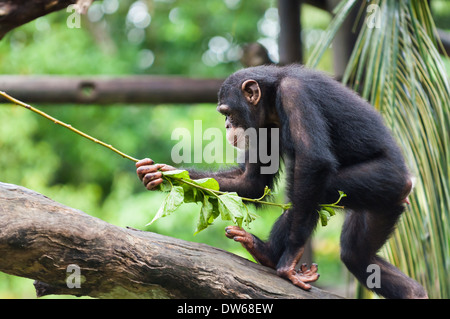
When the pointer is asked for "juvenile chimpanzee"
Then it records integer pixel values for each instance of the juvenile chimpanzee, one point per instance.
(334, 140)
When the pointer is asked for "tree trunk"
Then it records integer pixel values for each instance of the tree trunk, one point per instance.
(40, 238)
(289, 39)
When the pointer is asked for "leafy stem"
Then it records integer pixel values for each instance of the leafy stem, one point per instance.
(217, 192)
(328, 210)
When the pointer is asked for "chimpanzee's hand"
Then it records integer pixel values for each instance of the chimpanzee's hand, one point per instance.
(150, 173)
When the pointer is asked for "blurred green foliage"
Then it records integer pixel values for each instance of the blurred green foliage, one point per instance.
(192, 38)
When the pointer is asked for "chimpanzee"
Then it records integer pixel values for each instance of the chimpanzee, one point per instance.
(334, 141)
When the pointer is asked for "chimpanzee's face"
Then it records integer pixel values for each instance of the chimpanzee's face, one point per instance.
(238, 115)
(238, 101)
(234, 125)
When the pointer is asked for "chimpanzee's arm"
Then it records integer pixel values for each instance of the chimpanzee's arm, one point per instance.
(246, 179)
(311, 166)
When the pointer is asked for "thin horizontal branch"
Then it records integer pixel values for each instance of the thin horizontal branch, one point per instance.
(108, 90)
(14, 13)
(40, 238)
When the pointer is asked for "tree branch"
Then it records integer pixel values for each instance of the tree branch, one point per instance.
(14, 13)
(40, 238)
(109, 90)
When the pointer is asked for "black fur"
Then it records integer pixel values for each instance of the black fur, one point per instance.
(334, 140)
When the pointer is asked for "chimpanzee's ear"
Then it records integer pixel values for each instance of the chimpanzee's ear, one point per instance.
(252, 92)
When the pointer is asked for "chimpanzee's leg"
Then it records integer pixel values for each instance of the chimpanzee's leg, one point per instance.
(262, 251)
(281, 249)
(363, 233)
(256, 247)
(371, 185)
(376, 192)
(294, 234)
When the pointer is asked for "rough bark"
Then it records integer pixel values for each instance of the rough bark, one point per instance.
(14, 13)
(40, 238)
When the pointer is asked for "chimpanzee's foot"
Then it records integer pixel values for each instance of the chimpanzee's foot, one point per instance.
(238, 234)
(308, 275)
(301, 276)
(259, 251)
(254, 246)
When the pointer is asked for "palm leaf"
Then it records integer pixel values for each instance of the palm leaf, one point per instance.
(398, 69)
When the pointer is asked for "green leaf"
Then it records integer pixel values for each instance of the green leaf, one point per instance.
(191, 194)
(165, 186)
(324, 216)
(330, 210)
(209, 183)
(177, 173)
(173, 200)
(205, 215)
(231, 208)
(215, 211)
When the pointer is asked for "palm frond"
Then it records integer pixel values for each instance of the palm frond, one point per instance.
(398, 69)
